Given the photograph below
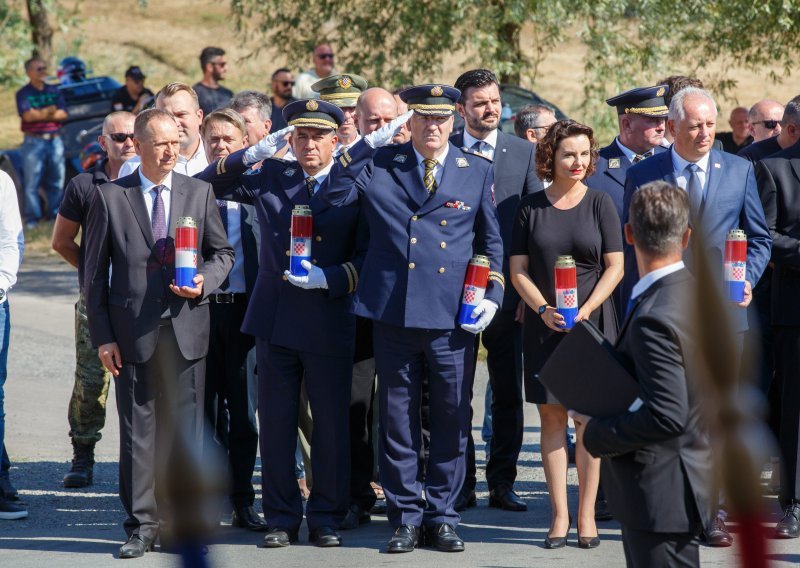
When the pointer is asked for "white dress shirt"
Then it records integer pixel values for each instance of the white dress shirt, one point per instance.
(11, 237)
(194, 165)
(320, 175)
(630, 154)
(652, 277)
(342, 147)
(236, 279)
(150, 195)
(679, 167)
(438, 169)
(489, 143)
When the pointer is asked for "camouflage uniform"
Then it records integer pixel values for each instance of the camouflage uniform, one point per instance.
(87, 406)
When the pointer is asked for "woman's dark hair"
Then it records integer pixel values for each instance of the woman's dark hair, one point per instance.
(547, 146)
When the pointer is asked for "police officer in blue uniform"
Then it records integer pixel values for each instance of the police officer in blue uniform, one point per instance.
(303, 326)
(429, 207)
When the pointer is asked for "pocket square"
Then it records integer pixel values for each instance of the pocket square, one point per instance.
(458, 205)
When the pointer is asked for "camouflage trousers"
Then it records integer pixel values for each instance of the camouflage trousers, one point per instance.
(87, 406)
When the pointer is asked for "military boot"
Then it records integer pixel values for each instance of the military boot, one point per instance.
(81, 472)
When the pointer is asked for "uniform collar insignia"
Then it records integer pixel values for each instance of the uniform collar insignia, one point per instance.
(400, 158)
(613, 163)
(462, 162)
(289, 172)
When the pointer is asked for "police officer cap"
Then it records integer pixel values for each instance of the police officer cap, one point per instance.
(342, 89)
(431, 100)
(646, 101)
(311, 113)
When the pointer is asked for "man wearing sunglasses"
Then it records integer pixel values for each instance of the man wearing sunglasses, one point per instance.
(789, 133)
(282, 83)
(42, 110)
(87, 405)
(210, 93)
(323, 59)
(765, 119)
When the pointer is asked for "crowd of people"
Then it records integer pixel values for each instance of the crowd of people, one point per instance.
(353, 365)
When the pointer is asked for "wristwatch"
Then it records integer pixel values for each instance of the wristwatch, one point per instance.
(2, 295)
(542, 309)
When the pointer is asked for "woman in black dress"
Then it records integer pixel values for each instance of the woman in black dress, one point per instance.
(567, 218)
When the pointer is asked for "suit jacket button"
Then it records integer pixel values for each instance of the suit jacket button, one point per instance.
(285, 277)
(443, 244)
(411, 266)
(318, 239)
(443, 223)
(441, 270)
(413, 240)
(313, 261)
(414, 218)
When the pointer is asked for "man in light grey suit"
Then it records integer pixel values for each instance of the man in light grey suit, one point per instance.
(152, 335)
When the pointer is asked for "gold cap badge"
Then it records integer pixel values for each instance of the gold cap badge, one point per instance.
(345, 82)
(312, 105)
(660, 92)
(437, 91)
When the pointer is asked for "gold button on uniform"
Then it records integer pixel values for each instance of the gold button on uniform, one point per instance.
(414, 218)
(441, 270)
(443, 223)
(318, 239)
(413, 240)
(443, 244)
(288, 253)
(285, 277)
(313, 261)
(411, 266)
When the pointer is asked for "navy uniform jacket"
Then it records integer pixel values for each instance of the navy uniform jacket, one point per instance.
(612, 167)
(731, 202)
(514, 177)
(419, 247)
(317, 321)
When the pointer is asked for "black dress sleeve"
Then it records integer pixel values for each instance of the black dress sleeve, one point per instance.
(521, 229)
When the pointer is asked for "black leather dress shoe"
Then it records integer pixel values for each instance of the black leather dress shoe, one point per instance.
(789, 525)
(135, 547)
(601, 511)
(507, 500)
(465, 500)
(278, 538)
(247, 518)
(355, 517)
(443, 537)
(717, 534)
(325, 537)
(405, 539)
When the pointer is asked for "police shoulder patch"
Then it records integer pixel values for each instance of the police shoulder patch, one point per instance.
(613, 163)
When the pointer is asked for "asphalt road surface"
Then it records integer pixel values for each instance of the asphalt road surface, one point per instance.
(83, 527)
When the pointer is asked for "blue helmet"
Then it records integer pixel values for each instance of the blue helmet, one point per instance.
(71, 70)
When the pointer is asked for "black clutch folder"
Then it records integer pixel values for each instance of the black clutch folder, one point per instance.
(585, 373)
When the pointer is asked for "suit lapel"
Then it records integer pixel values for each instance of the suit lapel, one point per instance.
(318, 205)
(665, 166)
(136, 199)
(716, 168)
(404, 166)
(453, 178)
(293, 183)
(177, 203)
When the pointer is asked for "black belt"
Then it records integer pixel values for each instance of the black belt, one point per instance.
(227, 297)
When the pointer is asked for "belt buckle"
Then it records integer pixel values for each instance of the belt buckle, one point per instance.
(47, 136)
(225, 298)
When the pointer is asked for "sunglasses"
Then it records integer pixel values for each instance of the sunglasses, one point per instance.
(325, 55)
(40, 69)
(219, 63)
(120, 137)
(287, 83)
(770, 124)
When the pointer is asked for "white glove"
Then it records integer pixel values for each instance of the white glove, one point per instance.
(266, 147)
(484, 311)
(315, 279)
(385, 133)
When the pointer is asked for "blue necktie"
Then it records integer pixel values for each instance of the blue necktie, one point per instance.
(695, 190)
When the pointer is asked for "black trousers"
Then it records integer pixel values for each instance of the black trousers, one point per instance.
(503, 342)
(644, 549)
(159, 404)
(787, 366)
(362, 455)
(231, 398)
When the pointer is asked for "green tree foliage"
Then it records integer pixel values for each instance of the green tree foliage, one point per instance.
(15, 43)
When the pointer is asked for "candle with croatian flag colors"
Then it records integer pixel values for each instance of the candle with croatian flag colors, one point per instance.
(185, 252)
(735, 264)
(474, 288)
(566, 290)
(301, 239)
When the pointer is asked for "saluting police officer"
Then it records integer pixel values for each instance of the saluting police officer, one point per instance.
(303, 326)
(429, 208)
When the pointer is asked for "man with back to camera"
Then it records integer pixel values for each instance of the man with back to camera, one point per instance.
(722, 195)
(87, 405)
(152, 335)
(515, 176)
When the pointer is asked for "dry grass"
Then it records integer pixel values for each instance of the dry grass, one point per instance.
(166, 37)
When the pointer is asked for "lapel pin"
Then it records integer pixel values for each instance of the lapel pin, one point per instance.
(717, 165)
(400, 158)
(613, 163)
(504, 149)
(462, 162)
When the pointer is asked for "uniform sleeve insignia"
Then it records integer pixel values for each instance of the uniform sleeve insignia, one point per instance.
(289, 172)
(613, 164)
(437, 91)
(400, 158)
(462, 162)
(460, 205)
(312, 105)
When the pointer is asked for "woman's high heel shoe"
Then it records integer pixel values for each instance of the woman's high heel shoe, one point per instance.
(588, 541)
(557, 541)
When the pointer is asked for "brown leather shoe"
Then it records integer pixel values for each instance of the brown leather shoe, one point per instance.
(717, 534)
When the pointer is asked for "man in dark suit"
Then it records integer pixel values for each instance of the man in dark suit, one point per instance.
(514, 167)
(152, 335)
(779, 182)
(231, 393)
(302, 324)
(429, 209)
(722, 196)
(656, 462)
(788, 135)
